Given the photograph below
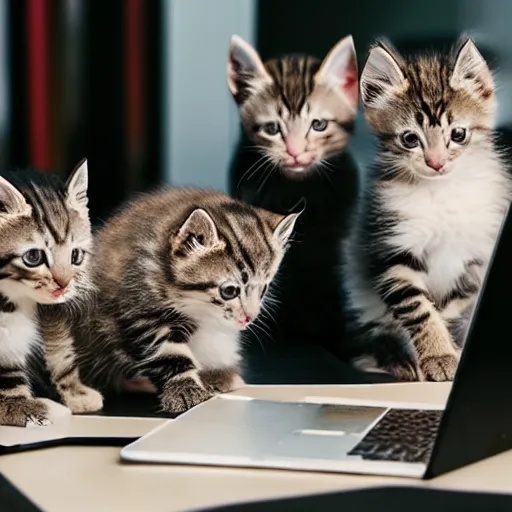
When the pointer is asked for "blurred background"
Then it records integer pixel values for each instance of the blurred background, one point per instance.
(138, 86)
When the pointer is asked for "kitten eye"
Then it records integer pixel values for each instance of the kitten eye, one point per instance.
(458, 135)
(77, 256)
(409, 139)
(34, 258)
(229, 292)
(319, 125)
(271, 129)
(265, 288)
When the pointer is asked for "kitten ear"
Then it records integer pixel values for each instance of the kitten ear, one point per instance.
(284, 228)
(197, 232)
(472, 73)
(381, 77)
(76, 186)
(12, 201)
(245, 70)
(339, 69)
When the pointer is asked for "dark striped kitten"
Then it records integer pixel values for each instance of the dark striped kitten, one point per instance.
(179, 273)
(431, 211)
(46, 235)
(297, 114)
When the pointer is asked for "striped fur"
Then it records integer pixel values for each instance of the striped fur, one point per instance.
(179, 273)
(430, 214)
(38, 213)
(297, 110)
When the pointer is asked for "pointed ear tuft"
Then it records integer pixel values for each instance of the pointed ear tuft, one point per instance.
(285, 227)
(472, 73)
(339, 70)
(76, 186)
(245, 70)
(381, 77)
(12, 201)
(197, 233)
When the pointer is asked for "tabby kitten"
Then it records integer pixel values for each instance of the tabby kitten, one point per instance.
(296, 109)
(179, 273)
(430, 214)
(298, 114)
(46, 237)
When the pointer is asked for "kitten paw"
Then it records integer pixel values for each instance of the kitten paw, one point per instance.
(83, 400)
(439, 368)
(24, 412)
(181, 395)
(222, 380)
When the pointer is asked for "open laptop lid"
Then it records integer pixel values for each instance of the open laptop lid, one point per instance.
(477, 422)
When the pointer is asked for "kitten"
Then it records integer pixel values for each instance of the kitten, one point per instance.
(46, 237)
(179, 273)
(298, 114)
(430, 214)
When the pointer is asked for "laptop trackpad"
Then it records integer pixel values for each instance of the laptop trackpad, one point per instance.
(329, 433)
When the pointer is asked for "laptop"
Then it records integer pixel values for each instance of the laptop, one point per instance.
(355, 436)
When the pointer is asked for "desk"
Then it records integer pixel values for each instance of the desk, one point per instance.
(84, 479)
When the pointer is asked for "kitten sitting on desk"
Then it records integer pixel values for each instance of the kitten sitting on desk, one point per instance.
(179, 273)
(431, 212)
(44, 259)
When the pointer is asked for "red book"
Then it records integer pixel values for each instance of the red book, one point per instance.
(135, 82)
(37, 84)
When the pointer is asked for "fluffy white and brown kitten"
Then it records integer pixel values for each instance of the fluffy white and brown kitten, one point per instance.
(46, 237)
(179, 274)
(430, 214)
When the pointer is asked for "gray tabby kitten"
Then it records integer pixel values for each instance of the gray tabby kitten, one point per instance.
(298, 115)
(46, 237)
(298, 110)
(179, 273)
(431, 212)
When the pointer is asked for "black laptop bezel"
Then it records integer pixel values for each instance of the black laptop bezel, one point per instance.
(477, 422)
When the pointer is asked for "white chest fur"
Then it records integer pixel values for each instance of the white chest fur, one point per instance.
(18, 333)
(214, 348)
(449, 222)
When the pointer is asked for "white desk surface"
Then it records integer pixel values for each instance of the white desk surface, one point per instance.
(83, 479)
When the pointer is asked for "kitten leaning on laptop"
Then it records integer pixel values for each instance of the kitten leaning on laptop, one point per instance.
(428, 220)
(44, 259)
(178, 274)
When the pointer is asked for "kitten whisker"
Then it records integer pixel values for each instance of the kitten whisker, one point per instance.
(267, 176)
(261, 161)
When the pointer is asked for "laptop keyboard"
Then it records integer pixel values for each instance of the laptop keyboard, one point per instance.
(402, 435)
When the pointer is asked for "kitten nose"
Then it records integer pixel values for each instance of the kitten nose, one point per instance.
(61, 281)
(293, 152)
(244, 319)
(294, 146)
(434, 163)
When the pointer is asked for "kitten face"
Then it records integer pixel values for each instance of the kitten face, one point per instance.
(296, 110)
(428, 112)
(222, 273)
(46, 236)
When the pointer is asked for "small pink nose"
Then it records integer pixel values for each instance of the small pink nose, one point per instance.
(244, 319)
(61, 281)
(437, 165)
(295, 145)
(293, 152)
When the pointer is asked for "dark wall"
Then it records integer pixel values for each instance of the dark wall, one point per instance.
(313, 26)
